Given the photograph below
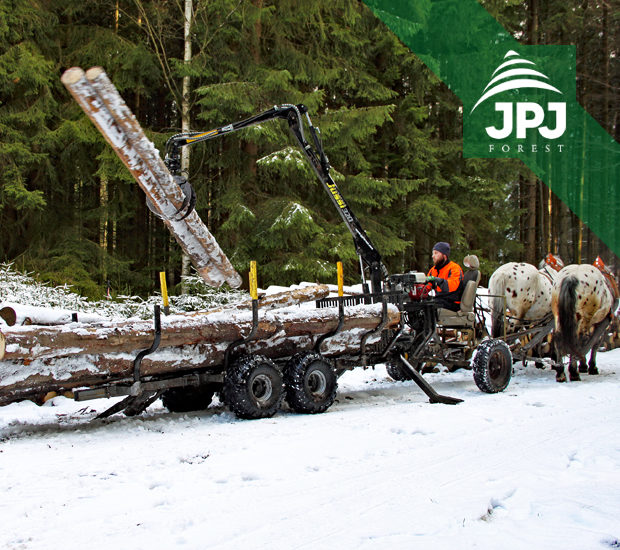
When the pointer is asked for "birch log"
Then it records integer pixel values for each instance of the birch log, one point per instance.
(282, 333)
(290, 297)
(284, 299)
(28, 343)
(19, 314)
(104, 106)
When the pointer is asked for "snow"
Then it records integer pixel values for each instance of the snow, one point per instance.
(287, 155)
(291, 215)
(46, 316)
(22, 288)
(536, 466)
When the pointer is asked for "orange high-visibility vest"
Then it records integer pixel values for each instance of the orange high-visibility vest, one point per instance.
(450, 286)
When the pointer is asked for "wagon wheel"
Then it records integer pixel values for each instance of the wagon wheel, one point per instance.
(311, 383)
(187, 399)
(253, 387)
(398, 371)
(492, 366)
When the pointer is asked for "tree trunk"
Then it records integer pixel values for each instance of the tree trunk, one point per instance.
(564, 234)
(98, 356)
(19, 314)
(35, 341)
(101, 102)
(546, 219)
(185, 118)
(103, 224)
(530, 220)
(530, 183)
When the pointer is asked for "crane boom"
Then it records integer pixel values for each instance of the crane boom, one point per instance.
(368, 254)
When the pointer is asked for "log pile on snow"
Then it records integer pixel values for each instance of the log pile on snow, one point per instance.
(39, 359)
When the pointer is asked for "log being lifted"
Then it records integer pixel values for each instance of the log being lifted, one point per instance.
(104, 106)
(58, 359)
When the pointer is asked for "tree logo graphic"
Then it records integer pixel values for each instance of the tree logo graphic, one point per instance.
(518, 74)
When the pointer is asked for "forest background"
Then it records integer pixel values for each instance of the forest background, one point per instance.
(72, 213)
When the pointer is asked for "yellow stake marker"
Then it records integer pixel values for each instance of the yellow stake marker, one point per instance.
(164, 290)
(253, 282)
(340, 279)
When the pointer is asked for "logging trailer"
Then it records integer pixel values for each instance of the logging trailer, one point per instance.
(409, 331)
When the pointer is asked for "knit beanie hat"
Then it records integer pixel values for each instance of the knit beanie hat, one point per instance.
(442, 247)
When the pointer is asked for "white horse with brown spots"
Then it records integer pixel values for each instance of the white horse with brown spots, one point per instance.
(583, 302)
(524, 291)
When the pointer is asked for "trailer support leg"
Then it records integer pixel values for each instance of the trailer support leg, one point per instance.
(132, 405)
(433, 396)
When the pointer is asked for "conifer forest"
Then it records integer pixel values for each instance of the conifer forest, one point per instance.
(72, 213)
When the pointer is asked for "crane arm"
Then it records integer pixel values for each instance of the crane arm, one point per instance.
(368, 254)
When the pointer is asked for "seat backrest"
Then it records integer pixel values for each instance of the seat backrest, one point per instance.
(470, 282)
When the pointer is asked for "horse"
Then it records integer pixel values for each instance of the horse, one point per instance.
(583, 302)
(527, 291)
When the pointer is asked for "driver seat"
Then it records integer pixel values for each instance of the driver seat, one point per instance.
(465, 316)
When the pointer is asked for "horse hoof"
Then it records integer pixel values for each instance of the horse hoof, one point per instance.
(593, 370)
(575, 377)
(583, 368)
(560, 378)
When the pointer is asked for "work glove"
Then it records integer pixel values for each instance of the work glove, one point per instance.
(433, 280)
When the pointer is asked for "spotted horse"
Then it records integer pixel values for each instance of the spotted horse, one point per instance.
(583, 302)
(524, 291)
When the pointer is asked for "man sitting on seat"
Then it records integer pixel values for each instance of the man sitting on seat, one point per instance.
(446, 277)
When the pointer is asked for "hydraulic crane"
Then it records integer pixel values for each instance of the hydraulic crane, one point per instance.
(366, 251)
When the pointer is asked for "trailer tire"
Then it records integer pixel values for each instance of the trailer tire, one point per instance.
(398, 371)
(311, 383)
(492, 366)
(253, 387)
(187, 399)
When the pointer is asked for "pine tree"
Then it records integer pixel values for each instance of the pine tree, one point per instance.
(26, 110)
(391, 130)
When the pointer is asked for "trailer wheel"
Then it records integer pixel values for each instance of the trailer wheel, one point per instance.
(398, 371)
(253, 387)
(311, 383)
(187, 399)
(492, 366)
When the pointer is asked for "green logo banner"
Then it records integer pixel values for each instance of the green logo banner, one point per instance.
(518, 102)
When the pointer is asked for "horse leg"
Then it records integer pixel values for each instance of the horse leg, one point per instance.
(572, 370)
(560, 375)
(558, 366)
(597, 339)
(592, 368)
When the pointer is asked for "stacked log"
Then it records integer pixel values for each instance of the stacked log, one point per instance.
(104, 106)
(38, 360)
(19, 314)
(289, 297)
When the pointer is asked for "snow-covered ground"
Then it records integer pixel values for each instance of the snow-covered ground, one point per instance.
(537, 466)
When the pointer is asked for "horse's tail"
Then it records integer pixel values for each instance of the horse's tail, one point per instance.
(567, 324)
(497, 288)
